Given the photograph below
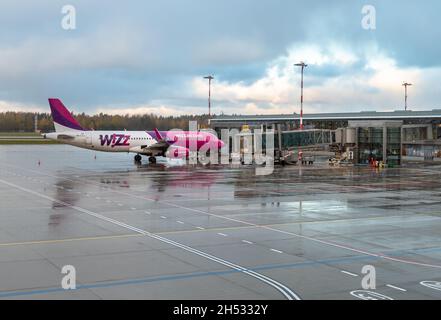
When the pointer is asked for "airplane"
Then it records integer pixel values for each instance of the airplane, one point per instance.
(171, 144)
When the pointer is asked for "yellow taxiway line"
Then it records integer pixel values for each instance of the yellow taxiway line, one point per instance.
(68, 240)
(8, 244)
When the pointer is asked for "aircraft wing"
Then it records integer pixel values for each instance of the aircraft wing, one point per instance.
(156, 149)
(162, 148)
(160, 145)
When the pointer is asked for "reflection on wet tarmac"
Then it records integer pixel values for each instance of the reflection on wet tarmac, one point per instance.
(67, 196)
(302, 226)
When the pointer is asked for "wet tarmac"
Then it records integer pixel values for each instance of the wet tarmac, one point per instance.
(170, 231)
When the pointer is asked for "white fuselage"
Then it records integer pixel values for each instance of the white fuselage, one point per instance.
(107, 141)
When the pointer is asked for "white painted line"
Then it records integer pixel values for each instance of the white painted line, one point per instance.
(246, 241)
(396, 288)
(349, 273)
(179, 222)
(369, 295)
(162, 217)
(200, 228)
(287, 292)
(133, 208)
(435, 285)
(147, 212)
(120, 204)
(278, 251)
(222, 234)
(317, 240)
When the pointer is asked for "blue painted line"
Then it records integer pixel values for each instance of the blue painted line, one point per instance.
(115, 283)
(178, 277)
(7, 294)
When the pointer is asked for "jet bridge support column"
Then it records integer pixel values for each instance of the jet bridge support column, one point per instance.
(279, 137)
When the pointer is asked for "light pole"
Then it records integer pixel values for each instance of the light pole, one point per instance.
(405, 85)
(209, 93)
(303, 66)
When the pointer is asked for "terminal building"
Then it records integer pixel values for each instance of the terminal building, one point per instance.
(386, 136)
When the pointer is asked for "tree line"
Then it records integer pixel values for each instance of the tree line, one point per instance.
(24, 121)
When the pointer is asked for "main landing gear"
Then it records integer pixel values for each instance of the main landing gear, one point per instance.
(138, 159)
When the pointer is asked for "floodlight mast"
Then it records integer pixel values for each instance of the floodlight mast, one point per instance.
(209, 78)
(303, 66)
(405, 85)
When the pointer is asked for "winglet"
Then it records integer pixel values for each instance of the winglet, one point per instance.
(158, 135)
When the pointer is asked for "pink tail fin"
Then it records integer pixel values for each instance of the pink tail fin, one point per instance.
(62, 116)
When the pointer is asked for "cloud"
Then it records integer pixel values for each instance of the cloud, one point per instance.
(368, 80)
(95, 51)
(227, 51)
(143, 109)
(147, 53)
(19, 107)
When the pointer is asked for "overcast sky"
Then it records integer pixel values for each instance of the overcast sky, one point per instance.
(150, 56)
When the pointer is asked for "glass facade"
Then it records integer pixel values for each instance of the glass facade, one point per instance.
(370, 144)
(393, 146)
(414, 134)
(415, 150)
(305, 138)
(301, 138)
